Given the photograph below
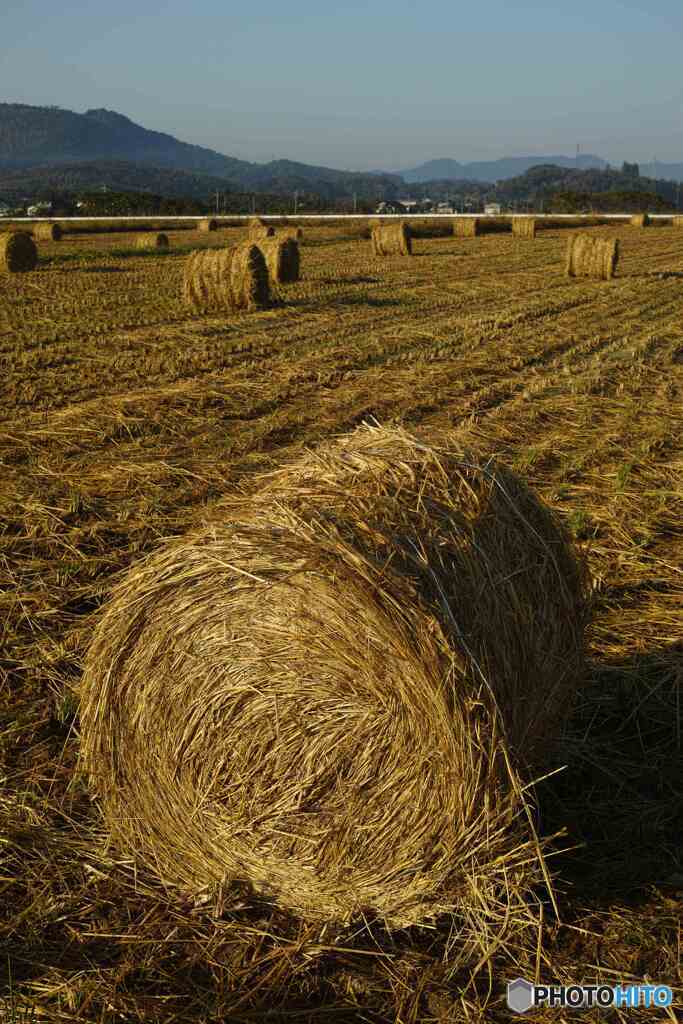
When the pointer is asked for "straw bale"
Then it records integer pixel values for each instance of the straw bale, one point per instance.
(677, 222)
(282, 258)
(208, 224)
(233, 278)
(327, 690)
(524, 227)
(152, 240)
(290, 232)
(18, 252)
(640, 220)
(44, 232)
(592, 257)
(466, 227)
(391, 238)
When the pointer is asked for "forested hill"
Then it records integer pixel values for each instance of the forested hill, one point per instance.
(33, 137)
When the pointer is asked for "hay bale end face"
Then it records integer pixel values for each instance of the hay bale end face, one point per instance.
(208, 224)
(235, 278)
(391, 239)
(152, 240)
(294, 680)
(282, 258)
(18, 253)
(524, 227)
(47, 232)
(592, 257)
(640, 220)
(466, 227)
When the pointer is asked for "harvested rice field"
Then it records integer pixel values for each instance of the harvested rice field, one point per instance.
(128, 419)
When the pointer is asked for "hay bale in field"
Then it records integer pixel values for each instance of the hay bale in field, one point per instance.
(294, 233)
(677, 222)
(524, 227)
(233, 278)
(152, 240)
(327, 691)
(258, 229)
(391, 239)
(47, 232)
(282, 258)
(640, 220)
(18, 252)
(466, 227)
(592, 257)
(208, 224)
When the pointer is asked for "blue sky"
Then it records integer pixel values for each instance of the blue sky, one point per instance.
(363, 86)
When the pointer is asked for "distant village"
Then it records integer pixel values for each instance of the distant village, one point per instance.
(429, 206)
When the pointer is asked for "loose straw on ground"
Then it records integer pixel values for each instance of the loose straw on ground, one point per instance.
(391, 239)
(591, 257)
(333, 690)
(18, 252)
(234, 278)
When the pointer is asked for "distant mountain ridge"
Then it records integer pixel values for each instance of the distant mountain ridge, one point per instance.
(492, 171)
(41, 136)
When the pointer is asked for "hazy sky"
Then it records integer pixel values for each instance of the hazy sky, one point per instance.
(363, 86)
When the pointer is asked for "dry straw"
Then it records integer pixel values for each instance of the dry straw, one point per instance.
(524, 227)
(208, 224)
(152, 240)
(44, 232)
(282, 258)
(466, 227)
(234, 278)
(18, 252)
(677, 222)
(391, 239)
(332, 690)
(640, 220)
(592, 257)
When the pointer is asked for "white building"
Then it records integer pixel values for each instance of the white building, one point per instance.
(492, 210)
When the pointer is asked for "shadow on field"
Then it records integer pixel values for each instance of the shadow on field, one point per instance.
(621, 796)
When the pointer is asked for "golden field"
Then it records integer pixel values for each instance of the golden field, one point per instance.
(125, 418)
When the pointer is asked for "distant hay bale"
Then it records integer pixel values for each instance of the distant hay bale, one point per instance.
(208, 224)
(282, 258)
(18, 252)
(524, 227)
(152, 240)
(592, 257)
(391, 239)
(640, 220)
(43, 232)
(330, 690)
(295, 233)
(677, 222)
(466, 227)
(258, 229)
(234, 278)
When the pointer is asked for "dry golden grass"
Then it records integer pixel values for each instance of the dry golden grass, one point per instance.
(127, 420)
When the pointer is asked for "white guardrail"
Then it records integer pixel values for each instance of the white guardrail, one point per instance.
(343, 216)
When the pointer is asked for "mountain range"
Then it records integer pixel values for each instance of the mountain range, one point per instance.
(49, 147)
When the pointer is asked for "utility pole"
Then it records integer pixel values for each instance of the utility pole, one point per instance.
(253, 204)
(296, 201)
(678, 195)
(216, 200)
(355, 203)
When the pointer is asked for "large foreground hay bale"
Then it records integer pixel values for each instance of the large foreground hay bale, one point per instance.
(325, 691)
(233, 278)
(391, 239)
(152, 240)
(466, 227)
(640, 220)
(592, 257)
(208, 224)
(282, 258)
(524, 227)
(44, 232)
(18, 252)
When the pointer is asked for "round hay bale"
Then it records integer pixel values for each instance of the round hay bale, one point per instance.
(234, 278)
(591, 257)
(208, 224)
(325, 692)
(640, 220)
(524, 227)
(282, 258)
(391, 238)
(294, 233)
(44, 232)
(152, 240)
(18, 252)
(466, 227)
